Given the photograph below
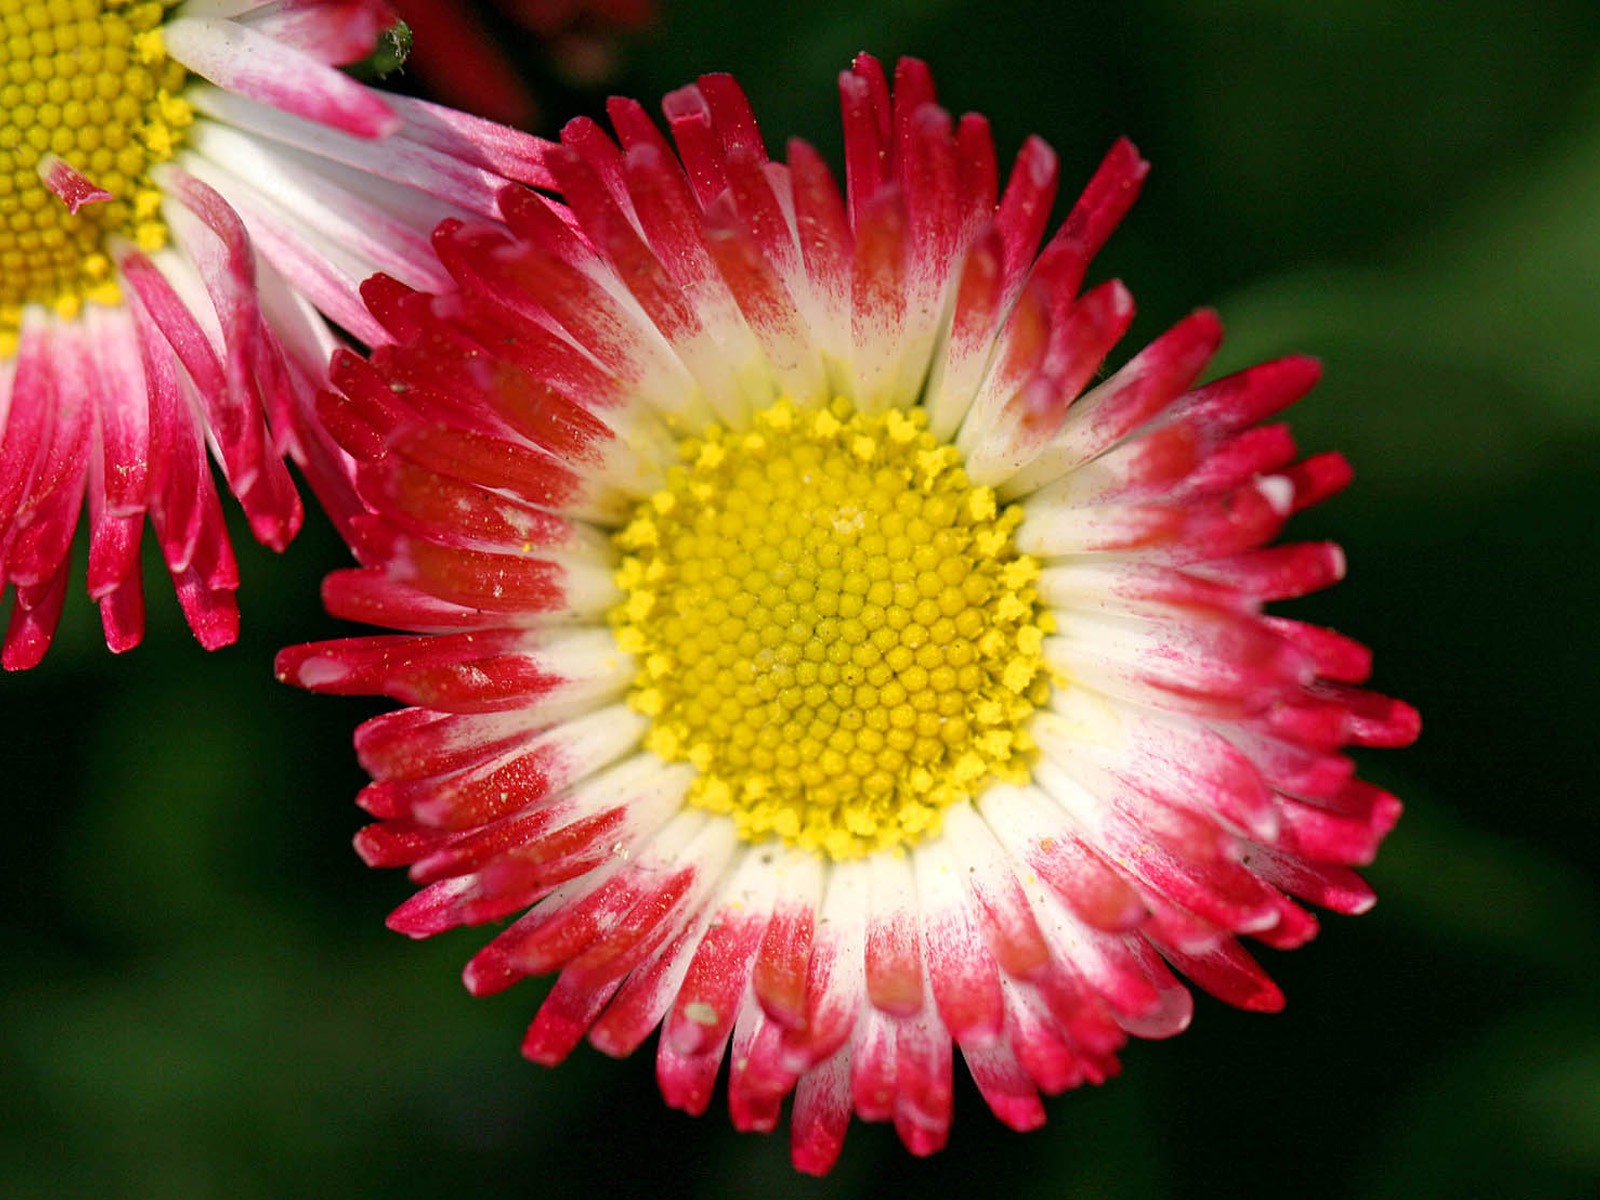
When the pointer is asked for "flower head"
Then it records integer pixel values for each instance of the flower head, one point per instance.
(821, 656)
(190, 196)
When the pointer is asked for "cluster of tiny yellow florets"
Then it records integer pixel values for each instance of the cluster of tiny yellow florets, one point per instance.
(832, 624)
(90, 82)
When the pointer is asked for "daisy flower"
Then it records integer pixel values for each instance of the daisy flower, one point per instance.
(831, 664)
(190, 196)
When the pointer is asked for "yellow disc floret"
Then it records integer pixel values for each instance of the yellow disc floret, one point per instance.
(833, 626)
(86, 81)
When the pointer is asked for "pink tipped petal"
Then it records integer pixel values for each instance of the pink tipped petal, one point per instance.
(999, 908)
(1325, 884)
(923, 1091)
(489, 146)
(864, 102)
(1227, 972)
(893, 948)
(122, 612)
(1099, 210)
(71, 186)
(689, 117)
(702, 1014)
(210, 610)
(44, 521)
(821, 1116)
(30, 414)
(35, 613)
(1025, 208)
(978, 302)
(963, 974)
(253, 64)
(873, 1067)
(1078, 340)
(878, 299)
(1295, 927)
(646, 995)
(124, 427)
(779, 974)
(564, 1017)
(1336, 656)
(835, 988)
(755, 1091)
(1006, 1088)
(1240, 400)
(1318, 478)
(1141, 389)
(338, 32)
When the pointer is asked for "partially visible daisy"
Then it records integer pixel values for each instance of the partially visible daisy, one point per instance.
(830, 665)
(189, 196)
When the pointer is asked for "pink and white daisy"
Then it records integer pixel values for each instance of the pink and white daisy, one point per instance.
(191, 195)
(828, 664)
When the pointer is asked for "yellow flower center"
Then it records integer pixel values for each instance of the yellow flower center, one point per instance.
(88, 82)
(833, 625)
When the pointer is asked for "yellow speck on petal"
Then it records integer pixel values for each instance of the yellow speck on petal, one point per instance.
(832, 626)
(700, 1013)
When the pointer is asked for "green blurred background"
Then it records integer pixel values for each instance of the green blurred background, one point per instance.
(200, 998)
